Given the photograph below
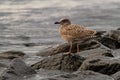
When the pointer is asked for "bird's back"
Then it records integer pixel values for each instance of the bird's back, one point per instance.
(72, 32)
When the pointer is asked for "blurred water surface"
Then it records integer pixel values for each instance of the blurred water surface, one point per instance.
(32, 21)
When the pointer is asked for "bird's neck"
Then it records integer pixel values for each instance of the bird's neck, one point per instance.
(64, 25)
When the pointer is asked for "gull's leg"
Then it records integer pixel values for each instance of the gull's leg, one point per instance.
(70, 49)
(78, 50)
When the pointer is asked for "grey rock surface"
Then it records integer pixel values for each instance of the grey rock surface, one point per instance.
(81, 75)
(116, 76)
(17, 70)
(60, 62)
(11, 54)
(104, 65)
(85, 45)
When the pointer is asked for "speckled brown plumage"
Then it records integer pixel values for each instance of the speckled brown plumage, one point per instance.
(72, 32)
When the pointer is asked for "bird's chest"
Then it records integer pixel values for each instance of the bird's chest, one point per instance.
(64, 34)
(62, 30)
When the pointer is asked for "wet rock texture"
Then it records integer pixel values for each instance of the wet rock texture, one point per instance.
(73, 62)
(104, 65)
(17, 70)
(11, 54)
(116, 76)
(81, 75)
(109, 42)
(100, 51)
(111, 39)
(115, 34)
(65, 48)
(60, 62)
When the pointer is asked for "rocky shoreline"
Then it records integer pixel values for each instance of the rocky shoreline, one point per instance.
(95, 61)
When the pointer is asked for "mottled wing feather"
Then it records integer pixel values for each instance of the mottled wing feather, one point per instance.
(77, 31)
(73, 30)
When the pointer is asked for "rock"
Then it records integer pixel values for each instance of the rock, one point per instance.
(116, 76)
(100, 33)
(104, 65)
(17, 70)
(111, 39)
(118, 28)
(81, 75)
(11, 54)
(60, 62)
(109, 42)
(92, 48)
(115, 34)
(47, 74)
(100, 51)
(65, 48)
(2, 65)
(2, 68)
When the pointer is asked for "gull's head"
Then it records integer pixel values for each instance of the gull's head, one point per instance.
(63, 22)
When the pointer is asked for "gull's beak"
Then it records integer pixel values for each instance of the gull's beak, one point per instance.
(57, 23)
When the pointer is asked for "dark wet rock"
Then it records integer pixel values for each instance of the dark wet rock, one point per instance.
(2, 68)
(17, 70)
(100, 51)
(11, 54)
(2, 65)
(50, 73)
(109, 42)
(86, 45)
(54, 50)
(5, 62)
(89, 49)
(60, 62)
(111, 39)
(116, 76)
(104, 65)
(81, 75)
(118, 28)
(100, 33)
(115, 34)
